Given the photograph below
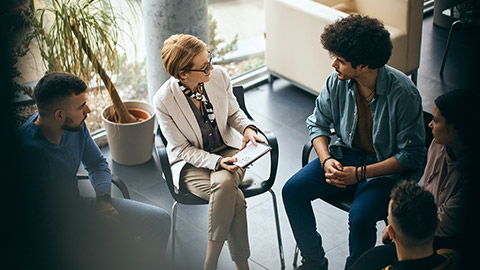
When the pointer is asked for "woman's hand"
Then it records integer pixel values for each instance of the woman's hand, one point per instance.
(250, 134)
(228, 164)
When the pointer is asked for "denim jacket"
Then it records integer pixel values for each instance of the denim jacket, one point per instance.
(398, 127)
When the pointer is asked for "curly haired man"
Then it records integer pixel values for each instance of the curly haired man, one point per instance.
(376, 112)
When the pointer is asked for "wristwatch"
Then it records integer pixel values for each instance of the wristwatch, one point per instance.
(252, 127)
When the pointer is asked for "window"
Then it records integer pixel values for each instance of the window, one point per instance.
(236, 29)
(243, 23)
(131, 80)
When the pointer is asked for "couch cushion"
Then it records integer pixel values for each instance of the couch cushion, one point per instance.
(346, 7)
(399, 53)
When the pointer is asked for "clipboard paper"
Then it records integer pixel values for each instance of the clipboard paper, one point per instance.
(251, 153)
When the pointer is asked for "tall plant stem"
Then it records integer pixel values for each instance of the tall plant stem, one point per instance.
(121, 111)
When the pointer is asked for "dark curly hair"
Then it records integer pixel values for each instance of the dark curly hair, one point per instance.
(55, 86)
(414, 212)
(359, 39)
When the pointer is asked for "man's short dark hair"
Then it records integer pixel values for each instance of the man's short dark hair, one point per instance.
(359, 39)
(414, 212)
(55, 86)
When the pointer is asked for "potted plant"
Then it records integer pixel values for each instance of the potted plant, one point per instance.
(80, 37)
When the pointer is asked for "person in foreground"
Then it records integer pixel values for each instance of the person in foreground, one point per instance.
(446, 175)
(203, 125)
(377, 115)
(412, 222)
(57, 140)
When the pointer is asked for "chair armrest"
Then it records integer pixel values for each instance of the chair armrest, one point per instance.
(115, 180)
(307, 149)
(82, 177)
(272, 141)
(121, 185)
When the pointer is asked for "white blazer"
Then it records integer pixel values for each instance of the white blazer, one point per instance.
(181, 129)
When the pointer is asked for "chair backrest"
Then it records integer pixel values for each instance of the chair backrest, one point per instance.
(238, 93)
(161, 137)
(181, 196)
(160, 145)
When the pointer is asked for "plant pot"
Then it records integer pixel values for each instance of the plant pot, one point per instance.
(131, 143)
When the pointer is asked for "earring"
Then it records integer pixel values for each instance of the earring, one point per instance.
(183, 77)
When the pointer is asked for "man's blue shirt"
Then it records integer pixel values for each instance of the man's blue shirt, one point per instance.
(60, 163)
(397, 114)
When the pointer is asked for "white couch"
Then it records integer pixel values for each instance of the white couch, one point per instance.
(293, 29)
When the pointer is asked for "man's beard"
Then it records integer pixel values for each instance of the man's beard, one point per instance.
(68, 126)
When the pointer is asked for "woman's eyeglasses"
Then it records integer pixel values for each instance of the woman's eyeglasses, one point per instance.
(207, 68)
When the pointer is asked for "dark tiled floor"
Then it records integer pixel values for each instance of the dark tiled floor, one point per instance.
(283, 109)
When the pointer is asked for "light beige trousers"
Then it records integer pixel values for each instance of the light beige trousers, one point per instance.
(227, 215)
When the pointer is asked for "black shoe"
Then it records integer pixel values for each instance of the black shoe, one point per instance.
(306, 265)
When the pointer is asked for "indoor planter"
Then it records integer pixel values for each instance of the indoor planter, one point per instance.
(80, 37)
(130, 143)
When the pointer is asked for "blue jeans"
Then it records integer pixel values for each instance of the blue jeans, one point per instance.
(148, 225)
(369, 205)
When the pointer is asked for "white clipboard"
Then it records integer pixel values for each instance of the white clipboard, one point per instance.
(251, 153)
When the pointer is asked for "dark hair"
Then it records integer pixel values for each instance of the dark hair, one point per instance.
(55, 86)
(361, 40)
(414, 211)
(457, 107)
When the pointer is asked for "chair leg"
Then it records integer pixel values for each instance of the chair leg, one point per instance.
(448, 44)
(174, 222)
(279, 235)
(295, 257)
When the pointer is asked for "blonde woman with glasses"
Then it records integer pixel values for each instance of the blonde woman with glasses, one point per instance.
(204, 127)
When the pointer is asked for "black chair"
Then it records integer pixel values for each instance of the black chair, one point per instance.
(117, 182)
(258, 184)
(469, 18)
(343, 201)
